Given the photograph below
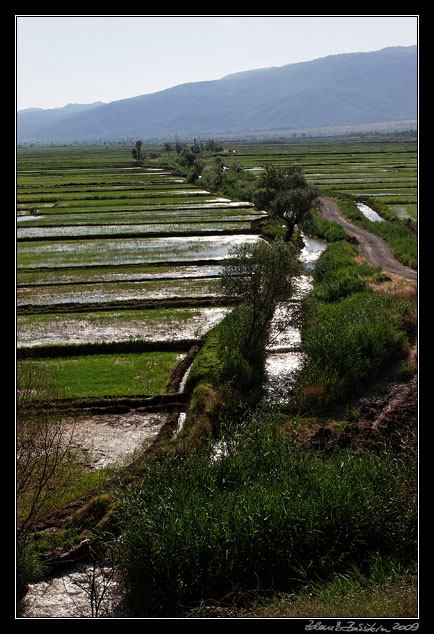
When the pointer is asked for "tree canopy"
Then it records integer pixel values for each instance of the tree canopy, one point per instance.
(137, 153)
(284, 193)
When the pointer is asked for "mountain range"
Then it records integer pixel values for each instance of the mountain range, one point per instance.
(337, 90)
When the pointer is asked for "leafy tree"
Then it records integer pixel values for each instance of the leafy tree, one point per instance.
(195, 171)
(284, 193)
(213, 146)
(187, 157)
(137, 153)
(196, 148)
(219, 168)
(260, 276)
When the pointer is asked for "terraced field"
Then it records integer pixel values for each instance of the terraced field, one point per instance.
(116, 269)
(384, 168)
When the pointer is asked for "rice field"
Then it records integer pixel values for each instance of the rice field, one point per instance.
(384, 167)
(105, 253)
(101, 243)
(123, 325)
(96, 375)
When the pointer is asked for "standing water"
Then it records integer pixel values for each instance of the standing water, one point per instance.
(369, 213)
(284, 351)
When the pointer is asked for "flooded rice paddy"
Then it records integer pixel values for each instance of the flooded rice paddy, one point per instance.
(103, 292)
(104, 252)
(157, 325)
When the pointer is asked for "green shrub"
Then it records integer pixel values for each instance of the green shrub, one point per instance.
(349, 333)
(236, 370)
(317, 226)
(29, 566)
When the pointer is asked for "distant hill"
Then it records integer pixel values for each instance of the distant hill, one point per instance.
(338, 90)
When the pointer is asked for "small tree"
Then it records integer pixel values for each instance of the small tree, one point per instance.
(97, 581)
(195, 171)
(260, 276)
(219, 168)
(46, 462)
(178, 146)
(137, 153)
(45, 445)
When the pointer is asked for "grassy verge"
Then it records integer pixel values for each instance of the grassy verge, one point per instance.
(392, 594)
(219, 379)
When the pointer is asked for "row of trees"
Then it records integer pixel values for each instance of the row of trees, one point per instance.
(282, 191)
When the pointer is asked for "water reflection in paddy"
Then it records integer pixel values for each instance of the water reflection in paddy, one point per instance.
(284, 353)
(99, 252)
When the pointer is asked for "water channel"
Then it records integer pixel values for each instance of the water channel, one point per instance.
(284, 350)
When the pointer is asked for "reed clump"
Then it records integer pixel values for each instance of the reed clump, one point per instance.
(257, 511)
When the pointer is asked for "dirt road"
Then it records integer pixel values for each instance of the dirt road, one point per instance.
(374, 249)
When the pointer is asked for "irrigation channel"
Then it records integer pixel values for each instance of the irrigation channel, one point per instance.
(65, 594)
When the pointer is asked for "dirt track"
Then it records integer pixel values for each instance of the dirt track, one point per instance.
(374, 249)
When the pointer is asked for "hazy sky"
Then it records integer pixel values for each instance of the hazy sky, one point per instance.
(82, 59)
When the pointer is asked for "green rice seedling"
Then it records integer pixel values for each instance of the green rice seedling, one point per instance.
(112, 374)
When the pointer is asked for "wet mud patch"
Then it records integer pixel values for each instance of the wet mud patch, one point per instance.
(67, 595)
(112, 439)
(115, 326)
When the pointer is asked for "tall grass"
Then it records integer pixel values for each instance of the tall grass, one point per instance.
(349, 333)
(263, 514)
(315, 225)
